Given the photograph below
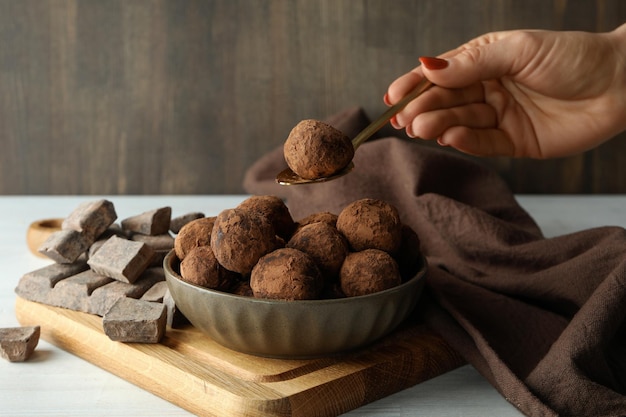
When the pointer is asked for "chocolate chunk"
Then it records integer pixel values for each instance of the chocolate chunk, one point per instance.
(43, 286)
(18, 343)
(121, 259)
(65, 246)
(104, 297)
(74, 292)
(161, 244)
(156, 242)
(44, 279)
(91, 218)
(153, 222)
(131, 320)
(156, 293)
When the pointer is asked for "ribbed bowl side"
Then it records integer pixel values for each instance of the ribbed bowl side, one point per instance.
(292, 329)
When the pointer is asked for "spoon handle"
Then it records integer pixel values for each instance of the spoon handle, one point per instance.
(377, 124)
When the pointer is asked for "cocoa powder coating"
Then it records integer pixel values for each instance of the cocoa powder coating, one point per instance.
(240, 238)
(286, 274)
(324, 244)
(367, 272)
(200, 267)
(315, 149)
(275, 210)
(322, 216)
(193, 234)
(371, 224)
(243, 289)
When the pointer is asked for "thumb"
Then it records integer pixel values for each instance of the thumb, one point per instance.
(470, 65)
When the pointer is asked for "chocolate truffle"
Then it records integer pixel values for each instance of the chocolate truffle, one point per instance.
(200, 267)
(324, 244)
(193, 234)
(286, 274)
(240, 238)
(322, 216)
(275, 210)
(243, 289)
(315, 149)
(367, 272)
(371, 224)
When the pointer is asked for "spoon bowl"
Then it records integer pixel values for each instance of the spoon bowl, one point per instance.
(288, 177)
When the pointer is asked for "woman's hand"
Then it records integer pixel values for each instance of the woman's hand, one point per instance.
(538, 94)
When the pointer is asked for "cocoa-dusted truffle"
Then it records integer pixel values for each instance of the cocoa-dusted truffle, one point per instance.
(200, 267)
(243, 289)
(193, 234)
(315, 149)
(275, 210)
(324, 244)
(367, 272)
(371, 224)
(240, 237)
(322, 216)
(286, 274)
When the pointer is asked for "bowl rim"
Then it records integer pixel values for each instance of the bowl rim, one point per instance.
(420, 274)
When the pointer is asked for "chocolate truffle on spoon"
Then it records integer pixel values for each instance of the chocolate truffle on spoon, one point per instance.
(315, 150)
(309, 152)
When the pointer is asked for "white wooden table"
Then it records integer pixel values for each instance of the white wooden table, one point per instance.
(56, 383)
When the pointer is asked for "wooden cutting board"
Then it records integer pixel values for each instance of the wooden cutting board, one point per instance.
(192, 371)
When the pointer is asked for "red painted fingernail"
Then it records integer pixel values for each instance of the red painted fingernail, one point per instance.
(386, 99)
(394, 122)
(433, 63)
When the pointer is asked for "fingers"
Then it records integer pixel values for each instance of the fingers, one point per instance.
(402, 85)
(434, 124)
(489, 56)
(478, 142)
(437, 99)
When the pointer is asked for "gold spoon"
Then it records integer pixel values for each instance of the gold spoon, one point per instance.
(288, 177)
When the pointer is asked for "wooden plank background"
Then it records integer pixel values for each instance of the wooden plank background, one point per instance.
(181, 96)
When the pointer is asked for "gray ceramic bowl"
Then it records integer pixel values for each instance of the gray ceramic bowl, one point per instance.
(292, 329)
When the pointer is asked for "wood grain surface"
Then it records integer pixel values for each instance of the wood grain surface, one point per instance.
(180, 97)
(195, 373)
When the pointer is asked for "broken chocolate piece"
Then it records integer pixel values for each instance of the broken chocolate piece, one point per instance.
(91, 218)
(104, 297)
(121, 259)
(136, 321)
(156, 293)
(18, 343)
(153, 222)
(65, 246)
(74, 292)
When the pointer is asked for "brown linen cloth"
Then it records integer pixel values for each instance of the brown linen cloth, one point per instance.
(543, 319)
